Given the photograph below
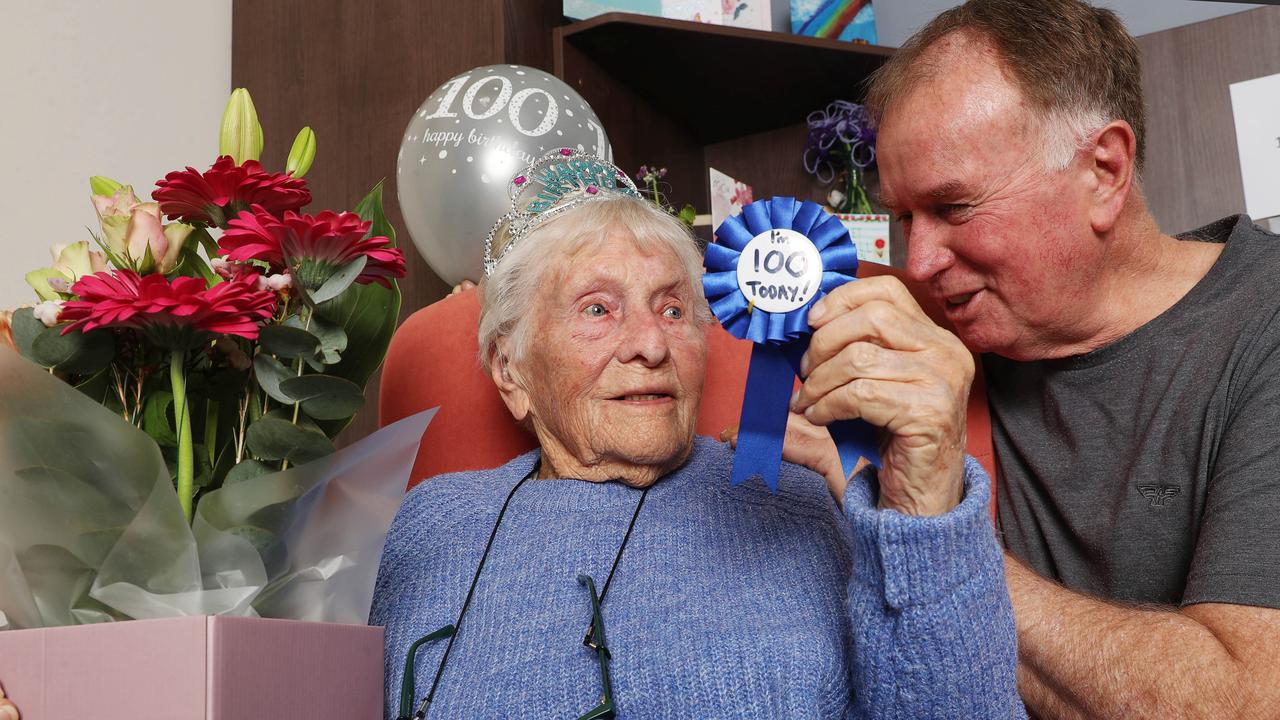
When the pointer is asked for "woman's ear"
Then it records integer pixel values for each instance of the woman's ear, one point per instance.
(508, 381)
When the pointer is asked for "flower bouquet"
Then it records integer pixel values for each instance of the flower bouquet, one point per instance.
(166, 445)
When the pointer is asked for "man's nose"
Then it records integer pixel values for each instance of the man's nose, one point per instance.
(643, 339)
(928, 251)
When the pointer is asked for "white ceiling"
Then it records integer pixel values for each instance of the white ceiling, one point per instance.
(897, 19)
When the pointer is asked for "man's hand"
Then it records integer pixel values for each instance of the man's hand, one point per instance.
(7, 710)
(875, 355)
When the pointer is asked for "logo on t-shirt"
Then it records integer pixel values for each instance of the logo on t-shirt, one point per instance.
(1159, 495)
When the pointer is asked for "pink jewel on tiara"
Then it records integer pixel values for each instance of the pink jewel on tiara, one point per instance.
(566, 152)
(592, 190)
(519, 180)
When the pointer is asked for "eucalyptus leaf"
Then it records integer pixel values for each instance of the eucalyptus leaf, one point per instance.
(76, 352)
(273, 438)
(157, 418)
(271, 549)
(288, 342)
(367, 313)
(333, 340)
(247, 470)
(340, 280)
(270, 373)
(25, 328)
(325, 397)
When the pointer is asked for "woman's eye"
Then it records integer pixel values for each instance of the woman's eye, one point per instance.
(673, 313)
(596, 310)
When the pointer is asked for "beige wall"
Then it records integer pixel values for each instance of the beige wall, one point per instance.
(130, 89)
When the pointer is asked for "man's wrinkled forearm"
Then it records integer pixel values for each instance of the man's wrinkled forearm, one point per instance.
(1080, 657)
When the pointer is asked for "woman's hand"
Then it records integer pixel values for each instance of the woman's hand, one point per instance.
(462, 287)
(7, 709)
(875, 355)
(811, 446)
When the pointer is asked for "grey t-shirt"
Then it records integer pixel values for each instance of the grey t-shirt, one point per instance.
(1149, 470)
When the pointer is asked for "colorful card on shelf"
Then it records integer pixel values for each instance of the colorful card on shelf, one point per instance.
(583, 9)
(849, 20)
(706, 11)
(754, 14)
(703, 11)
(728, 197)
(870, 234)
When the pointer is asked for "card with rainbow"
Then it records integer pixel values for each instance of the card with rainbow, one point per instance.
(850, 20)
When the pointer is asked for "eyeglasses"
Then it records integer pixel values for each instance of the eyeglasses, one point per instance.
(594, 640)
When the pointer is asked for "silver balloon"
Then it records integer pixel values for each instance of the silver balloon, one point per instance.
(471, 136)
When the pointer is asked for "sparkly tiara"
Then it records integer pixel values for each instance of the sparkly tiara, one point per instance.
(554, 184)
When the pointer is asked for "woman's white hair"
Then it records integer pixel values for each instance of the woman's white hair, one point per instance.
(508, 294)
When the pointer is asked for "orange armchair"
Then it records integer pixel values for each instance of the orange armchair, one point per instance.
(433, 361)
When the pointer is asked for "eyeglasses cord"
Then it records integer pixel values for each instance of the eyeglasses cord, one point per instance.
(475, 579)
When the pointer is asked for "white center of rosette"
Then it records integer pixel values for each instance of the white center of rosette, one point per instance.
(779, 271)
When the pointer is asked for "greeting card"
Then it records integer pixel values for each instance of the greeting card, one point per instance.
(851, 20)
(728, 197)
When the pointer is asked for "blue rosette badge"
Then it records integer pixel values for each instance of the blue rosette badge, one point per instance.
(767, 268)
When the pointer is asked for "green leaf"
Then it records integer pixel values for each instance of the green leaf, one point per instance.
(112, 257)
(98, 387)
(325, 397)
(288, 342)
(201, 237)
(25, 328)
(204, 467)
(193, 265)
(367, 313)
(75, 352)
(688, 215)
(270, 373)
(247, 470)
(340, 280)
(273, 438)
(157, 418)
(333, 340)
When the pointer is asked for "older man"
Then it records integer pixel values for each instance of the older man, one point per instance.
(1134, 377)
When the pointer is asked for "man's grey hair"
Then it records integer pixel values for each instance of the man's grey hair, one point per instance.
(1076, 65)
(508, 296)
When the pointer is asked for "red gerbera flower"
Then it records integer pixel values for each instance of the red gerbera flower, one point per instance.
(316, 246)
(180, 314)
(226, 189)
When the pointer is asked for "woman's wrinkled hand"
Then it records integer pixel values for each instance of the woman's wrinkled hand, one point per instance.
(875, 355)
(811, 446)
(7, 709)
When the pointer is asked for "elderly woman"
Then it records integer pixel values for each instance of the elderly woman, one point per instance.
(720, 601)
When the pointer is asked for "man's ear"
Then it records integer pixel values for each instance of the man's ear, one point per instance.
(508, 381)
(1113, 162)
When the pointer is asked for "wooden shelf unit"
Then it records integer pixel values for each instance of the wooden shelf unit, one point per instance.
(690, 96)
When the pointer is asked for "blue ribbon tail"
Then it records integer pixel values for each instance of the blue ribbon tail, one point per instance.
(853, 438)
(763, 422)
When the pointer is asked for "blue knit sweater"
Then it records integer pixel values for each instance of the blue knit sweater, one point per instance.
(729, 602)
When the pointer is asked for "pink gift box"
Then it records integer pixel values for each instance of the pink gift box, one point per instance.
(195, 668)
